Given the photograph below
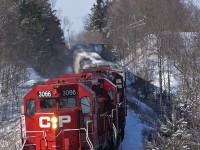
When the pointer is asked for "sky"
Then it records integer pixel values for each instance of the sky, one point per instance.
(75, 10)
(196, 2)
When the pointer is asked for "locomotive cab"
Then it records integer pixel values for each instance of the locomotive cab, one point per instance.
(58, 117)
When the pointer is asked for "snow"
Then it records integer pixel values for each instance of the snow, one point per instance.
(133, 139)
(141, 105)
(135, 123)
(92, 57)
(147, 59)
(89, 59)
(33, 74)
(189, 39)
(33, 78)
(10, 128)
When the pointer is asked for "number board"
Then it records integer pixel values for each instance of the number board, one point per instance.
(44, 94)
(69, 92)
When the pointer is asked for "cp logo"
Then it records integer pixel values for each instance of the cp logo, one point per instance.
(45, 121)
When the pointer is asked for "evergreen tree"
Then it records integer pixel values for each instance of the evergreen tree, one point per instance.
(97, 19)
(173, 133)
(44, 37)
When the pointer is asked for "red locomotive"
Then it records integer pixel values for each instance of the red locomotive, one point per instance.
(76, 112)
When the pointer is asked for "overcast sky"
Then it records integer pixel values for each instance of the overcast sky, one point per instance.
(75, 10)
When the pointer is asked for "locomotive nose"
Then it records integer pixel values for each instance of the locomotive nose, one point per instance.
(57, 131)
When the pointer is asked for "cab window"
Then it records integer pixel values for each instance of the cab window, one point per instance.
(30, 107)
(110, 95)
(48, 103)
(85, 104)
(67, 102)
(119, 83)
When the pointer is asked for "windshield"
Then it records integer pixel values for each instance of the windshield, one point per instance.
(68, 102)
(48, 103)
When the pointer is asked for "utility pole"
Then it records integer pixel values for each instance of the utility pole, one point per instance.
(68, 39)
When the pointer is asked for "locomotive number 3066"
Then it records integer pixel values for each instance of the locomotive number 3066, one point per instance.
(44, 94)
(69, 92)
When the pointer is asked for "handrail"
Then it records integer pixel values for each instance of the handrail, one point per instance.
(112, 113)
(23, 144)
(23, 125)
(86, 131)
(115, 135)
(44, 135)
(87, 137)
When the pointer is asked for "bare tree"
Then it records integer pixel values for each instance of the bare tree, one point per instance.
(66, 27)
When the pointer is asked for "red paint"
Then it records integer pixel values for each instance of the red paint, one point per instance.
(89, 96)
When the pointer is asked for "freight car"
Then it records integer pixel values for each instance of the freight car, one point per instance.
(75, 112)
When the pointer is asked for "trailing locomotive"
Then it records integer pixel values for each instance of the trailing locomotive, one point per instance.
(76, 112)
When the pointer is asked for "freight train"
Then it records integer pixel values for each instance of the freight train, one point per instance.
(76, 111)
(92, 55)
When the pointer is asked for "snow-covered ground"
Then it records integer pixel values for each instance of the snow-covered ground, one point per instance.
(10, 129)
(135, 122)
(133, 139)
(33, 78)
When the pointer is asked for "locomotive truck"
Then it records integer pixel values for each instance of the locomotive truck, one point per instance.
(76, 112)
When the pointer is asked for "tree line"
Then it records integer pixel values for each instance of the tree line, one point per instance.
(30, 37)
(158, 40)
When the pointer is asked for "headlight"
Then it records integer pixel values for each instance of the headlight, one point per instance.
(54, 120)
(54, 126)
